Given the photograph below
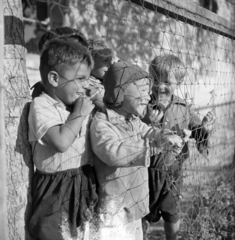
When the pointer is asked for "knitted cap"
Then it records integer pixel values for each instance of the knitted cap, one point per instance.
(117, 79)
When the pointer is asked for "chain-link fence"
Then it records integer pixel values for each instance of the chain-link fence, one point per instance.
(140, 30)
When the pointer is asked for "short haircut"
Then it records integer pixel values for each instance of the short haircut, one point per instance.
(60, 54)
(161, 66)
(100, 47)
(62, 32)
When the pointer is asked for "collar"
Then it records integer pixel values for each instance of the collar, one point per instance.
(53, 101)
(178, 100)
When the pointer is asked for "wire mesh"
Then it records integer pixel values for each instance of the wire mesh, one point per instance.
(138, 31)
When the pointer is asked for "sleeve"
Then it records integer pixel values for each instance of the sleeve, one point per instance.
(42, 116)
(198, 132)
(115, 151)
(150, 132)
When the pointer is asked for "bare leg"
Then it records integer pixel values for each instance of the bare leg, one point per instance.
(171, 230)
(145, 226)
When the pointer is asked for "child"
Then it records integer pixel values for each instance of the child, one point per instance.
(165, 183)
(65, 32)
(64, 187)
(123, 145)
(102, 56)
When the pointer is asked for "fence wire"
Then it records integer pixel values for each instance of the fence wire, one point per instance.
(138, 31)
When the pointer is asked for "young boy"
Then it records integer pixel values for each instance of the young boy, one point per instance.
(102, 56)
(123, 144)
(165, 182)
(65, 32)
(64, 186)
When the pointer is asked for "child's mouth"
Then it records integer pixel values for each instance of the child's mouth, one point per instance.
(162, 91)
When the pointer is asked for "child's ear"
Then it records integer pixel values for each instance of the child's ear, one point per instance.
(53, 78)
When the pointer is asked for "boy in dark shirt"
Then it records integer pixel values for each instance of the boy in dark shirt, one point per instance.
(175, 114)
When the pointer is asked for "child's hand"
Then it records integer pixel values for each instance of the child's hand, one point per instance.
(97, 98)
(186, 134)
(171, 142)
(83, 106)
(207, 121)
(155, 115)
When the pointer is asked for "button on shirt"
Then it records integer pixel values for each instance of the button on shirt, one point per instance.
(46, 112)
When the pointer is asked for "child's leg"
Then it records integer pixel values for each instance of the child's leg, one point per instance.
(137, 228)
(170, 213)
(171, 230)
(145, 226)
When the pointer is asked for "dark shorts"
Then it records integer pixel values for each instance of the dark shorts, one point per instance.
(164, 194)
(62, 200)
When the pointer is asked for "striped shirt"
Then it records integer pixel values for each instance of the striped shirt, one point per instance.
(46, 112)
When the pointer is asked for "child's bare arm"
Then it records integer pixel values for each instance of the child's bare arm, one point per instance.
(61, 137)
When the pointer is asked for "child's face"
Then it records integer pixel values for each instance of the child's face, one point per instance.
(73, 83)
(137, 97)
(101, 65)
(165, 87)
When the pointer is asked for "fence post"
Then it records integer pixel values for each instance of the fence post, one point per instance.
(3, 169)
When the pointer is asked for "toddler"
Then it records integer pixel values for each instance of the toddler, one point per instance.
(165, 182)
(123, 144)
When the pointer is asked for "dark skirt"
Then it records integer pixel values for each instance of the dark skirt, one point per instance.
(62, 200)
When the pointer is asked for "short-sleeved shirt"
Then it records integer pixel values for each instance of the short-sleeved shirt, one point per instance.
(46, 112)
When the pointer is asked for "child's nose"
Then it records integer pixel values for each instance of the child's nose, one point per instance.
(85, 84)
(148, 97)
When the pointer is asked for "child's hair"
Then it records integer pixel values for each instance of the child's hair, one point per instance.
(161, 66)
(65, 32)
(99, 47)
(59, 54)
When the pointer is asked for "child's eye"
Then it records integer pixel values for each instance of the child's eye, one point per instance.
(81, 79)
(107, 60)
